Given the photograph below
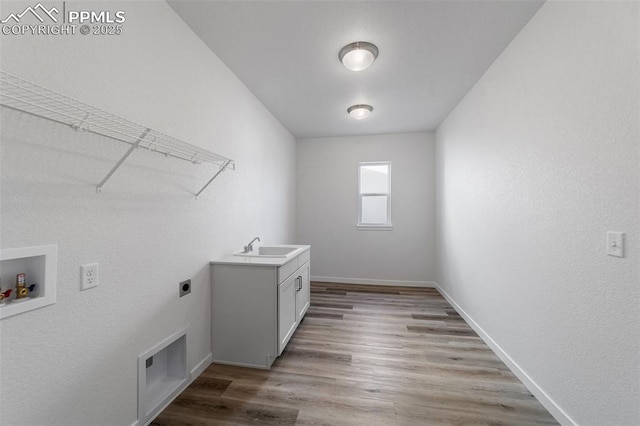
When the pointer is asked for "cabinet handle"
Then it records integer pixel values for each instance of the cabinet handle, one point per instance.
(299, 283)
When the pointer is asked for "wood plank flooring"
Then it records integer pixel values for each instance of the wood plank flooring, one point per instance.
(367, 355)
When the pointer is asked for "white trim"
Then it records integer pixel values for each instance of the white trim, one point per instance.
(375, 227)
(147, 414)
(556, 411)
(371, 281)
(241, 364)
(200, 367)
(195, 372)
(46, 277)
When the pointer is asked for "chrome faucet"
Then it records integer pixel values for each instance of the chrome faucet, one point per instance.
(249, 247)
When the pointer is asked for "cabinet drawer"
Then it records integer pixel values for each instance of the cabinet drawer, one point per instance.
(287, 269)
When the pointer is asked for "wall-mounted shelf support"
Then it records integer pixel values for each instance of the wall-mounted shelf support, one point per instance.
(22, 95)
(214, 176)
(119, 163)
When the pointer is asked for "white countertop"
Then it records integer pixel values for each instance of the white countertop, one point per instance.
(259, 260)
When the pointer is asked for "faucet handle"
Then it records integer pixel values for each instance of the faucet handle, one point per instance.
(5, 295)
(249, 247)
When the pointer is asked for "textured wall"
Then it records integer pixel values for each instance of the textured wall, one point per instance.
(327, 208)
(75, 362)
(534, 166)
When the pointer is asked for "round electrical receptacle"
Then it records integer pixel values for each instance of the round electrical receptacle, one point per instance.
(185, 288)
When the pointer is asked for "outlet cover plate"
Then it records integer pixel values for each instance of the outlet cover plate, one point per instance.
(88, 276)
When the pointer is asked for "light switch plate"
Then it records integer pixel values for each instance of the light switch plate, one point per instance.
(615, 244)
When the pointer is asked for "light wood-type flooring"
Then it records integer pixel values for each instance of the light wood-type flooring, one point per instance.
(367, 355)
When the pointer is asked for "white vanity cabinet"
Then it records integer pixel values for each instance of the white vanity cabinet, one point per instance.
(257, 304)
(293, 302)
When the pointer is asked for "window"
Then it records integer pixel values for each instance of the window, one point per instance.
(374, 195)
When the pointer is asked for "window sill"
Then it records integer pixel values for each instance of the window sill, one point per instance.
(374, 227)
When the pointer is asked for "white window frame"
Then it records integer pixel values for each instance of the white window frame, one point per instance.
(371, 226)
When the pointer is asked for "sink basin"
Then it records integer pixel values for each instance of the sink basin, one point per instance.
(271, 251)
(275, 251)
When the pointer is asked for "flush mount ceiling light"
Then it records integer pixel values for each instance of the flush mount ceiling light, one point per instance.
(359, 111)
(358, 56)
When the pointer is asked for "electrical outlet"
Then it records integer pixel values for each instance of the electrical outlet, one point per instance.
(185, 287)
(88, 276)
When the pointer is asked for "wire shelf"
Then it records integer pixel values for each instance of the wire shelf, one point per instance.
(22, 95)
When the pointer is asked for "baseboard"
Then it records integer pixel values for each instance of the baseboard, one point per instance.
(200, 367)
(556, 411)
(370, 281)
(241, 364)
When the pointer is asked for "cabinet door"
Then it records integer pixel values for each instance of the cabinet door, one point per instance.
(303, 293)
(286, 311)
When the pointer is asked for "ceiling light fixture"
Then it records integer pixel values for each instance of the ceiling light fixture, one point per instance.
(358, 56)
(360, 111)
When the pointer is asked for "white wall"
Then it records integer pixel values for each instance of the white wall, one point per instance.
(327, 209)
(74, 363)
(534, 166)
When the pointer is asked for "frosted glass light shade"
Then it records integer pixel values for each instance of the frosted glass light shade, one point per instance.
(360, 111)
(358, 56)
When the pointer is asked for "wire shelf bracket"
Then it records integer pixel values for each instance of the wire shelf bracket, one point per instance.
(25, 96)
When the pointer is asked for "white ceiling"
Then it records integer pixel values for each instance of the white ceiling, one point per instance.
(286, 52)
